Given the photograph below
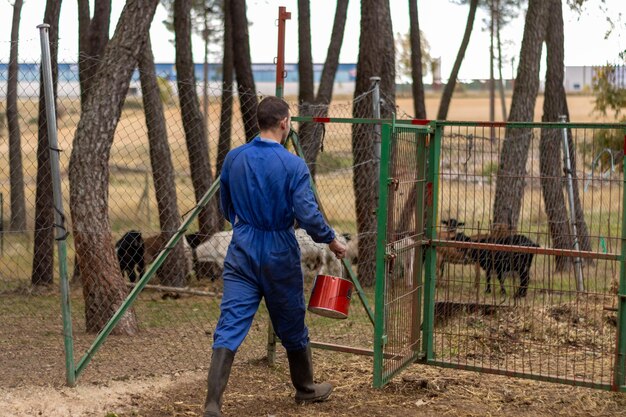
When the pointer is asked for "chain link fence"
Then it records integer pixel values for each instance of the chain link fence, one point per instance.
(154, 179)
(546, 307)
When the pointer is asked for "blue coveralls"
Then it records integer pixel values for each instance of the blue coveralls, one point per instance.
(263, 189)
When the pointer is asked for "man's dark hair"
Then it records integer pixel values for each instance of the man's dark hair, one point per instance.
(271, 111)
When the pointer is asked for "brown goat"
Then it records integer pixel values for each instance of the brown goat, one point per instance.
(452, 255)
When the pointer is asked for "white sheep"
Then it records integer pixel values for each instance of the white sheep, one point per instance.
(316, 258)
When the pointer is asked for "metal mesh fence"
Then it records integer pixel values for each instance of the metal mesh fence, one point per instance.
(541, 315)
(149, 166)
(400, 292)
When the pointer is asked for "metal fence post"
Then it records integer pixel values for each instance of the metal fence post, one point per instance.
(432, 187)
(59, 217)
(620, 351)
(381, 264)
(580, 286)
(283, 16)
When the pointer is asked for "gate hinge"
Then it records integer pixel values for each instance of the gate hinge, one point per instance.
(384, 339)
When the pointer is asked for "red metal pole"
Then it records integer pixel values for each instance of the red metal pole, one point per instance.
(283, 16)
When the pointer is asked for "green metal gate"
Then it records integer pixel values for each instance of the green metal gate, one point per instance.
(568, 325)
(399, 286)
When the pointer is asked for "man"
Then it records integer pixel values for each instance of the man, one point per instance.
(264, 188)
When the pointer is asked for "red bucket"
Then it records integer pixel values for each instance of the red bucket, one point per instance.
(330, 297)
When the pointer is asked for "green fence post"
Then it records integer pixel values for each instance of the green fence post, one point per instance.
(620, 359)
(381, 254)
(432, 187)
(59, 217)
(420, 186)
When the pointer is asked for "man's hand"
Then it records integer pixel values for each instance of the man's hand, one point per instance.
(338, 248)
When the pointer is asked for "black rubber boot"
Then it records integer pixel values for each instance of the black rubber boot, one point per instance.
(219, 372)
(301, 369)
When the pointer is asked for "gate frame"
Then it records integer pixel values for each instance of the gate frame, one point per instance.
(423, 134)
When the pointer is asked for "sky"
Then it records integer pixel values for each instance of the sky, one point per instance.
(441, 21)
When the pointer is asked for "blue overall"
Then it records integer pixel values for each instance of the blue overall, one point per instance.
(263, 189)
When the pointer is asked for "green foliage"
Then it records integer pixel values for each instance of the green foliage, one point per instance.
(207, 18)
(610, 96)
(490, 169)
(329, 162)
(403, 55)
(612, 139)
(165, 91)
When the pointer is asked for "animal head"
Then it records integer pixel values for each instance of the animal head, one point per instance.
(452, 224)
(132, 240)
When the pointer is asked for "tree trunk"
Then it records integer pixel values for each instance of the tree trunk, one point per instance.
(93, 37)
(43, 250)
(195, 134)
(551, 140)
(492, 78)
(446, 97)
(18, 204)
(311, 133)
(174, 271)
(514, 153)
(248, 100)
(419, 107)
(226, 112)
(376, 58)
(419, 104)
(500, 77)
(306, 93)
(104, 289)
(555, 104)
(205, 71)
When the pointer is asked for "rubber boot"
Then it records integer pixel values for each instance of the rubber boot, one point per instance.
(301, 369)
(219, 371)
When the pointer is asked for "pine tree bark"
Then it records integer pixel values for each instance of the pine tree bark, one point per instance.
(93, 36)
(104, 289)
(195, 133)
(550, 144)
(311, 133)
(43, 247)
(226, 110)
(555, 105)
(16, 173)
(419, 107)
(446, 97)
(419, 103)
(376, 58)
(248, 100)
(514, 154)
(306, 93)
(174, 271)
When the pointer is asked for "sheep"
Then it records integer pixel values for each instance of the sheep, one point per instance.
(407, 247)
(501, 262)
(210, 254)
(316, 258)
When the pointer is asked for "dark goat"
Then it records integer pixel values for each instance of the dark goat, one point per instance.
(130, 251)
(502, 262)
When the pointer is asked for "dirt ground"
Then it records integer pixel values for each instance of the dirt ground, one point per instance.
(258, 390)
